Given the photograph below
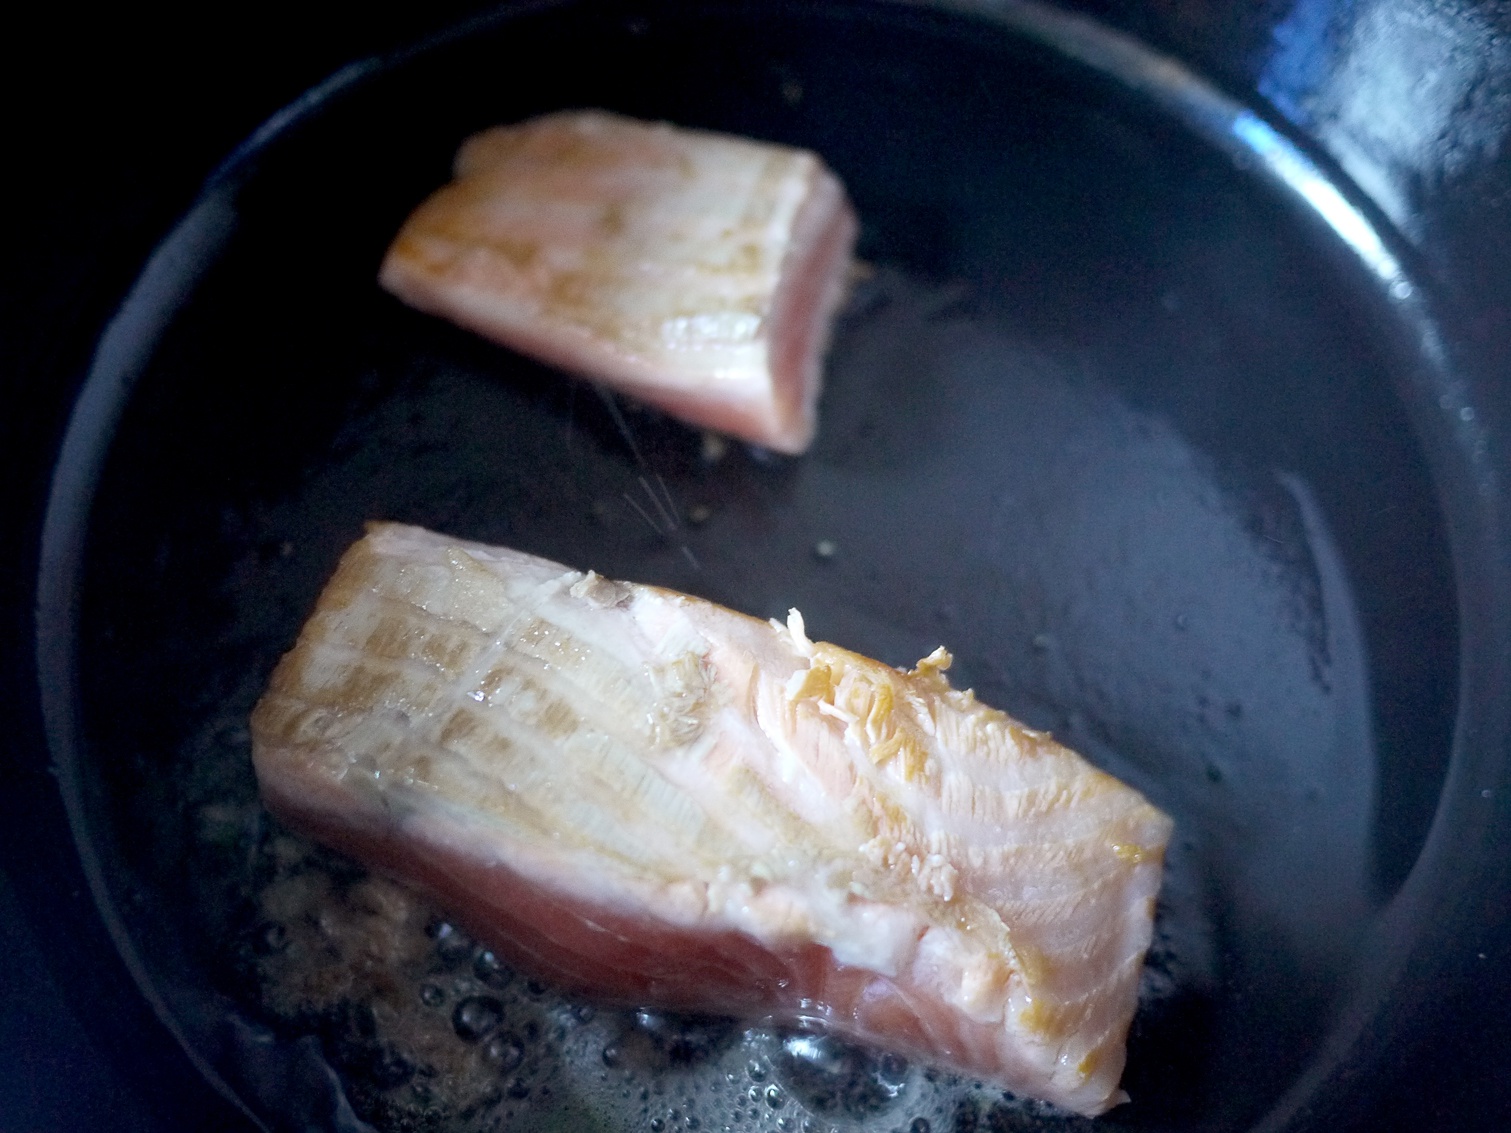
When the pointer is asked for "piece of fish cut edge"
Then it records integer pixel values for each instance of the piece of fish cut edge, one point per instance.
(697, 271)
(656, 801)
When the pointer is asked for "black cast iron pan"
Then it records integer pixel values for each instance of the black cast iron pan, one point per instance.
(1147, 412)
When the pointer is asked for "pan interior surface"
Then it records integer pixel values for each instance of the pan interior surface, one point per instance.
(1105, 419)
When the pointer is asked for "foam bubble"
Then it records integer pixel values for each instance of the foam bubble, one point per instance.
(428, 1029)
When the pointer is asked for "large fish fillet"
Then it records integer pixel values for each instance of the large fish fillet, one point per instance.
(696, 271)
(653, 799)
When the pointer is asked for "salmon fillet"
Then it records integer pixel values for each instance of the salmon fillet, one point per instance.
(693, 270)
(657, 801)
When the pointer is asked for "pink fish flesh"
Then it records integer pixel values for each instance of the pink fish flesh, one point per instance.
(693, 270)
(657, 801)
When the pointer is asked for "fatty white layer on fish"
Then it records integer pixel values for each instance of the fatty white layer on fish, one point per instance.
(659, 801)
(694, 270)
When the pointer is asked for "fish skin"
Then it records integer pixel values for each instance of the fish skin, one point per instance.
(696, 271)
(657, 801)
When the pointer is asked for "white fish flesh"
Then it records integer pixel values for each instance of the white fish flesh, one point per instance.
(657, 801)
(696, 271)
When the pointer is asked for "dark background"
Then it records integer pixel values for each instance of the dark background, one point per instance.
(114, 117)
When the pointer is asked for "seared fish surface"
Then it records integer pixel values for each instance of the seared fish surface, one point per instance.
(658, 801)
(696, 271)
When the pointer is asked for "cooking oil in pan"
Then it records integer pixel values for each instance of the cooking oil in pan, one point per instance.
(430, 1030)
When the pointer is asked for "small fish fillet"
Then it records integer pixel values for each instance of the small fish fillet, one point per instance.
(696, 271)
(655, 800)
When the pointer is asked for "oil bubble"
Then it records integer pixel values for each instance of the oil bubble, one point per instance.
(270, 938)
(432, 995)
(831, 1077)
(491, 971)
(452, 945)
(504, 1051)
(892, 1072)
(685, 1039)
(476, 1017)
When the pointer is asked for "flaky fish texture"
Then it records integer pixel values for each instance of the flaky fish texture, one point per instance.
(661, 802)
(696, 271)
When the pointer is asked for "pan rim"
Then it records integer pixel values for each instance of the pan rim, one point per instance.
(1455, 446)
